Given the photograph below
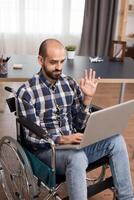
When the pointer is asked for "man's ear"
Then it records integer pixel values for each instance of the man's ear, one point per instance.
(40, 60)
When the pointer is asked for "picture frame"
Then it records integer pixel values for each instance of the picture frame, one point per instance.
(118, 50)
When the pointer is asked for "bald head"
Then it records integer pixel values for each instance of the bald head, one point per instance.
(49, 45)
(51, 58)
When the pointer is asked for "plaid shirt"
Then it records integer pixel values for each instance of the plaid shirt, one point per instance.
(58, 108)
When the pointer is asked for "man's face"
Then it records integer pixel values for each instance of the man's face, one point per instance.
(52, 64)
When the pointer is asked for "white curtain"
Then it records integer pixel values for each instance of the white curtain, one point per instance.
(24, 24)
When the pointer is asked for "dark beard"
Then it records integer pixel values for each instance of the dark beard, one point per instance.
(54, 75)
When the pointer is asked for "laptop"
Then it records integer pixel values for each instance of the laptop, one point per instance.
(103, 124)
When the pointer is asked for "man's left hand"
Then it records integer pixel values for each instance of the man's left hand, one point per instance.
(88, 85)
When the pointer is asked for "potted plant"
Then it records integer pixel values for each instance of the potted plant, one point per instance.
(70, 51)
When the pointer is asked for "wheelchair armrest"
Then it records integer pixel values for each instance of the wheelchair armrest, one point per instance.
(95, 108)
(31, 126)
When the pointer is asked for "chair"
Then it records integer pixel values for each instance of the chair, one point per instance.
(23, 174)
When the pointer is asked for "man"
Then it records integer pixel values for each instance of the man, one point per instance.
(61, 107)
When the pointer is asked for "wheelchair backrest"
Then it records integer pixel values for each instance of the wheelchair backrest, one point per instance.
(12, 107)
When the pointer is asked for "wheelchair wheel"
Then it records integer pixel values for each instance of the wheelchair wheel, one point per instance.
(16, 174)
(97, 175)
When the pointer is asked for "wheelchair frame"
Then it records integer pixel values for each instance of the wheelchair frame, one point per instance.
(33, 178)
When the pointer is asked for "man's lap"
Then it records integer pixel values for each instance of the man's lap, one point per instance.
(89, 154)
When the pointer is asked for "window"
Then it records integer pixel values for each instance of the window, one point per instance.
(76, 18)
(25, 23)
(41, 16)
(8, 16)
(46, 15)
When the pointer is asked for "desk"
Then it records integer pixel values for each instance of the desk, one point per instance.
(110, 72)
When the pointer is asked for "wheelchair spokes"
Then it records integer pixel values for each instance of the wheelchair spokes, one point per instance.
(14, 176)
(4, 185)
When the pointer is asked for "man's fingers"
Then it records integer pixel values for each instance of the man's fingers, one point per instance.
(93, 75)
(77, 137)
(97, 81)
(86, 74)
(90, 78)
(90, 74)
(81, 82)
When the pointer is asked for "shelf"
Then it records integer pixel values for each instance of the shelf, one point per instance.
(130, 38)
(130, 52)
(131, 12)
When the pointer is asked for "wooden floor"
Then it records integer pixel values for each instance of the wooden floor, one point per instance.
(106, 95)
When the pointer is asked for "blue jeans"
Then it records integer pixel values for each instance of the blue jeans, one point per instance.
(73, 163)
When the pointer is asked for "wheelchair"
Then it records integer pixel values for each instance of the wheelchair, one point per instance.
(23, 176)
